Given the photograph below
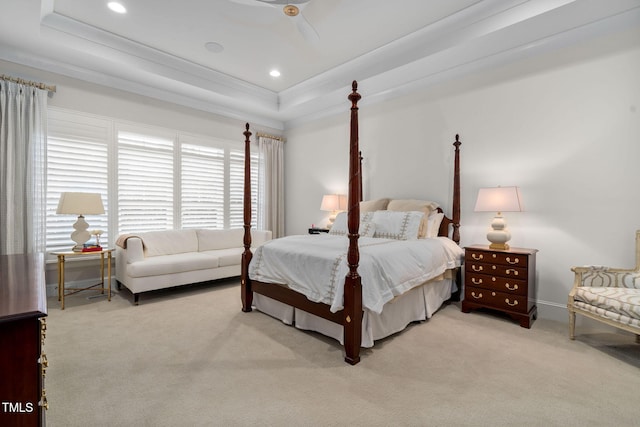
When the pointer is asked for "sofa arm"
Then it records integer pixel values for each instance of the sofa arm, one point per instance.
(134, 251)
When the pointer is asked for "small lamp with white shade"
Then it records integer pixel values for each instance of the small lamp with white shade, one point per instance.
(499, 199)
(80, 204)
(333, 203)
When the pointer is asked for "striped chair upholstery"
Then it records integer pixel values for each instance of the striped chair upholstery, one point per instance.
(609, 295)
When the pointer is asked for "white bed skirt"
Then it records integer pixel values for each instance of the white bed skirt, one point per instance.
(415, 305)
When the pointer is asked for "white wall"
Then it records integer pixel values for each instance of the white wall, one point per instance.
(563, 127)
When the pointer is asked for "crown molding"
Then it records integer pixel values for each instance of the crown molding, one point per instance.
(487, 34)
(541, 33)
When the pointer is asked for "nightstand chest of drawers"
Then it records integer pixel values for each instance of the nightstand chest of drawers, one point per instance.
(502, 280)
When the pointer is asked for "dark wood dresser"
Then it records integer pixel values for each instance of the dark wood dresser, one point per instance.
(23, 307)
(503, 280)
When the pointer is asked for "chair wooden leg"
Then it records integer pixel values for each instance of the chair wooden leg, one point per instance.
(637, 338)
(572, 325)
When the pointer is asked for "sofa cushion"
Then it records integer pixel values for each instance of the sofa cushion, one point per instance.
(168, 264)
(169, 242)
(227, 257)
(620, 304)
(219, 239)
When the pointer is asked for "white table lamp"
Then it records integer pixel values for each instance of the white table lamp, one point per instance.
(333, 203)
(80, 204)
(499, 199)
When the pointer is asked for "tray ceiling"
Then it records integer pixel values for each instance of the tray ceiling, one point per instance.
(159, 49)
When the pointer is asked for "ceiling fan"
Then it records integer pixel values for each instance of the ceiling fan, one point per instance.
(291, 8)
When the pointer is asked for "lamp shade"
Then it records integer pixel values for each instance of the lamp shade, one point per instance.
(333, 202)
(499, 199)
(80, 204)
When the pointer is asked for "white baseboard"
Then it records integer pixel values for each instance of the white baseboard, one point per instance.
(552, 311)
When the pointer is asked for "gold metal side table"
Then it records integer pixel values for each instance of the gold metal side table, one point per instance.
(61, 262)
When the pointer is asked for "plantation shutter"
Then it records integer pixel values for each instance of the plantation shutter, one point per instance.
(77, 161)
(203, 185)
(145, 183)
(236, 188)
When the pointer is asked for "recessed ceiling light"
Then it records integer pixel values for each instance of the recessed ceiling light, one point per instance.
(274, 73)
(116, 7)
(214, 47)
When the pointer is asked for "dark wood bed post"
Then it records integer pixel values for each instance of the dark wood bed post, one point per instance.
(360, 166)
(245, 282)
(455, 215)
(353, 284)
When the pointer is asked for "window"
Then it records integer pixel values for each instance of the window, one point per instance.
(203, 187)
(236, 187)
(77, 160)
(149, 178)
(145, 183)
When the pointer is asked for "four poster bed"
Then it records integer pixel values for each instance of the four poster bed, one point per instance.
(299, 279)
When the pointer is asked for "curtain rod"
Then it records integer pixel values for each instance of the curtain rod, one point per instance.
(50, 88)
(264, 135)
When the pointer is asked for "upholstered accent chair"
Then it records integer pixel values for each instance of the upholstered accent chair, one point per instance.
(609, 295)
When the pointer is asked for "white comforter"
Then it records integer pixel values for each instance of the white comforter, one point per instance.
(316, 266)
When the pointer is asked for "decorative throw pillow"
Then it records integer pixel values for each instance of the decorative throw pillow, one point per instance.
(433, 224)
(340, 226)
(368, 227)
(397, 225)
(407, 205)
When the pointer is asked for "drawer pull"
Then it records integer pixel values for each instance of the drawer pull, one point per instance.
(512, 271)
(477, 267)
(473, 294)
(43, 400)
(477, 256)
(476, 281)
(514, 288)
(515, 302)
(515, 261)
(43, 360)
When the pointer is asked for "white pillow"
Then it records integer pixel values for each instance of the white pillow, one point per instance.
(367, 228)
(406, 205)
(397, 225)
(340, 226)
(433, 224)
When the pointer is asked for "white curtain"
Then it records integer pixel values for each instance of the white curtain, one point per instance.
(23, 148)
(271, 185)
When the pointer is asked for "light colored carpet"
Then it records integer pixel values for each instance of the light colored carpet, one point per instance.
(190, 357)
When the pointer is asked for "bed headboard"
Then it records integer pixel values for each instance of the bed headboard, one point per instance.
(449, 227)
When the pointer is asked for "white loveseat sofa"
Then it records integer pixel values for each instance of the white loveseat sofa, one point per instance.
(162, 259)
